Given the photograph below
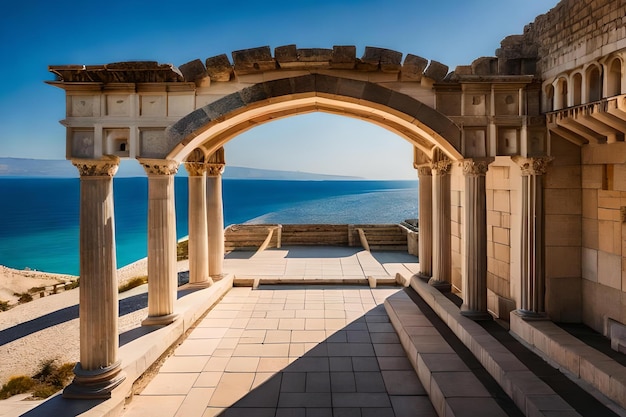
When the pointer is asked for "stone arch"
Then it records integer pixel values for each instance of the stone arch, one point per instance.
(211, 126)
(577, 88)
(614, 70)
(560, 96)
(593, 82)
(549, 98)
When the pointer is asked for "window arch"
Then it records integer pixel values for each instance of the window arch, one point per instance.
(577, 87)
(560, 96)
(594, 84)
(549, 98)
(614, 78)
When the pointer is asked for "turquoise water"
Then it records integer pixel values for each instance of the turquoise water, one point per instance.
(39, 216)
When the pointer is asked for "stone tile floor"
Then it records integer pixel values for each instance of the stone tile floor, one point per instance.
(288, 351)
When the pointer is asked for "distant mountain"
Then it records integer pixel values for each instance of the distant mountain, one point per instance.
(23, 167)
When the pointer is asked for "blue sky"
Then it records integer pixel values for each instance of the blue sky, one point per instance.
(35, 34)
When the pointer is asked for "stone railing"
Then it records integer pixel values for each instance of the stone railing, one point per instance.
(368, 236)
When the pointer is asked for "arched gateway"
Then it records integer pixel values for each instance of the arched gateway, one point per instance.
(458, 124)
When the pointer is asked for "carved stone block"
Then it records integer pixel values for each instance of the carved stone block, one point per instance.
(219, 68)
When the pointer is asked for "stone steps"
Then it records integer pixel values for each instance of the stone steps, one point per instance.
(533, 390)
(453, 388)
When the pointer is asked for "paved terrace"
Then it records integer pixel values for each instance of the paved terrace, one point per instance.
(316, 349)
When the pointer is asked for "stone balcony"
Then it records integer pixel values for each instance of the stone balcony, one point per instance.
(593, 123)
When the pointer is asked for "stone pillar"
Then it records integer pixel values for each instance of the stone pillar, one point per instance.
(162, 258)
(198, 234)
(442, 246)
(532, 302)
(475, 239)
(425, 177)
(215, 219)
(99, 370)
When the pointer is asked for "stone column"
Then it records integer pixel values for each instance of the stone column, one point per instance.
(215, 219)
(99, 370)
(425, 176)
(162, 259)
(532, 273)
(198, 234)
(442, 246)
(475, 239)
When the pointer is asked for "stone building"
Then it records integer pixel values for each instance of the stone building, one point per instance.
(521, 161)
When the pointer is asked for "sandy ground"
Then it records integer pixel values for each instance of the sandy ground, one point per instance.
(60, 341)
(14, 281)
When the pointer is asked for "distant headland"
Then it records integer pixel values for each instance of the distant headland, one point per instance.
(59, 168)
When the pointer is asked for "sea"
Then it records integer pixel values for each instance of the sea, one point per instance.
(39, 216)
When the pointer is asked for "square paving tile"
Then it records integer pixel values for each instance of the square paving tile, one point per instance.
(232, 387)
(165, 406)
(170, 384)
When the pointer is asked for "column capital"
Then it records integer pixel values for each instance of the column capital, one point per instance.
(159, 166)
(533, 166)
(475, 166)
(213, 170)
(104, 167)
(424, 170)
(195, 169)
(441, 167)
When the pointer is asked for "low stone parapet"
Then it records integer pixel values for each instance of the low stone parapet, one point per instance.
(572, 355)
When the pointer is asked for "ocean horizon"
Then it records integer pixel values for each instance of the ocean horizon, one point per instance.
(40, 216)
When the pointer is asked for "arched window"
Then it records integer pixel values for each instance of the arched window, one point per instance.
(560, 96)
(594, 84)
(549, 100)
(577, 81)
(614, 78)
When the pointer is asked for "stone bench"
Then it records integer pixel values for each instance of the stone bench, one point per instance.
(532, 396)
(453, 388)
(569, 353)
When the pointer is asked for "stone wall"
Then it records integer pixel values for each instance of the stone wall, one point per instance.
(501, 197)
(456, 225)
(562, 225)
(575, 31)
(603, 234)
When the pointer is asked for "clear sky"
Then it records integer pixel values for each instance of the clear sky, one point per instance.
(38, 33)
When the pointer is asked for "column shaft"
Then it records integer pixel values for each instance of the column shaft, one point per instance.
(198, 232)
(532, 300)
(425, 221)
(98, 371)
(215, 220)
(442, 246)
(162, 257)
(475, 240)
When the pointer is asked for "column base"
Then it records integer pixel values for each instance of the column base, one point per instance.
(528, 315)
(217, 277)
(203, 284)
(476, 315)
(443, 286)
(159, 320)
(424, 277)
(96, 384)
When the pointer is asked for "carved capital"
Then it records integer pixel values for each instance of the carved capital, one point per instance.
(441, 167)
(105, 167)
(159, 166)
(424, 171)
(533, 166)
(213, 170)
(475, 167)
(195, 169)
